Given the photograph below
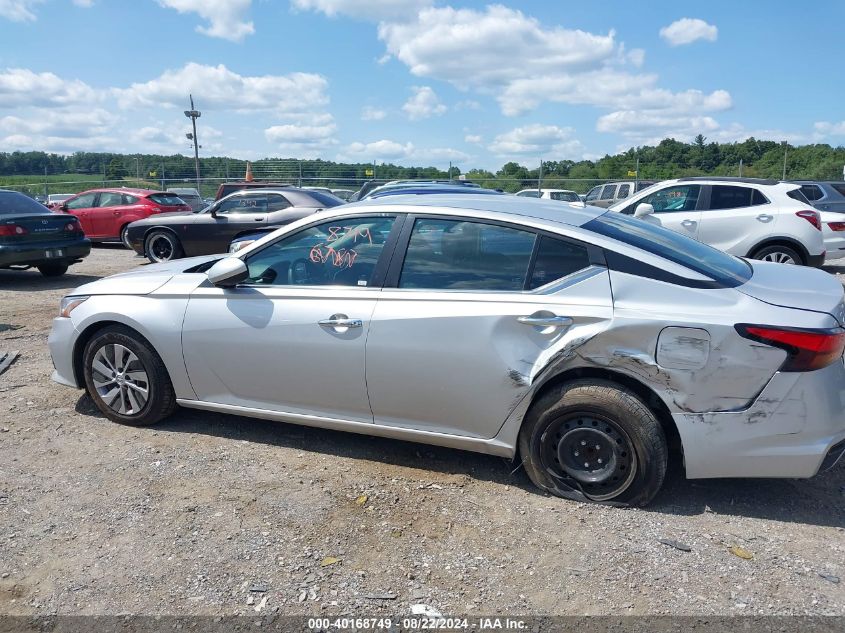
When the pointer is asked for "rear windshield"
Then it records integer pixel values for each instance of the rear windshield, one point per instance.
(326, 199)
(722, 268)
(166, 199)
(14, 203)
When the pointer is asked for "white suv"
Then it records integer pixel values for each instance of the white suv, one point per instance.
(748, 217)
(550, 194)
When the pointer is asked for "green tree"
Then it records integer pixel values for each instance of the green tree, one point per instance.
(116, 170)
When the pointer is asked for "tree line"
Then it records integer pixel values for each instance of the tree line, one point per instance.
(668, 159)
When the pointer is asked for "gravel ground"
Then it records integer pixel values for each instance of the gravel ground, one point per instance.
(222, 515)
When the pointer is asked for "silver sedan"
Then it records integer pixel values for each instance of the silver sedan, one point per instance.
(584, 344)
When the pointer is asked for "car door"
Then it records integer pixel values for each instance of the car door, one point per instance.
(82, 206)
(465, 323)
(105, 216)
(735, 218)
(607, 197)
(676, 207)
(291, 338)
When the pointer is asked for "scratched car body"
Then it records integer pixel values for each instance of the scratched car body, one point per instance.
(586, 344)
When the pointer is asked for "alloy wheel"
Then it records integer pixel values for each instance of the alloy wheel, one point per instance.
(120, 379)
(161, 248)
(778, 257)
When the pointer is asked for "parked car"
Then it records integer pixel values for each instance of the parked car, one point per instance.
(344, 194)
(55, 199)
(583, 343)
(189, 196)
(828, 198)
(33, 237)
(165, 237)
(41, 200)
(748, 217)
(231, 187)
(564, 195)
(395, 185)
(105, 214)
(611, 193)
(431, 188)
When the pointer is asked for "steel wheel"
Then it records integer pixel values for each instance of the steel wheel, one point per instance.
(161, 248)
(591, 450)
(120, 379)
(779, 257)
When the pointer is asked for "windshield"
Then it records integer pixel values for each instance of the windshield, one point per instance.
(14, 203)
(725, 269)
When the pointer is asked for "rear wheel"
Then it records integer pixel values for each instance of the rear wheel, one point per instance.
(778, 254)
(126, 378)
(53, 270)
(124, 236)
(162, 246)
(592, 440)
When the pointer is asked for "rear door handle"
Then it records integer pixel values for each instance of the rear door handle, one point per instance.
(545, 321)
(765, 217)
(689, 223)
(341, 322)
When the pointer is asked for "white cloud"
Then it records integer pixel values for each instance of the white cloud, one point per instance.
(227, 19)
(379, 151)
(22, 87)
(19, 10)
(645, 126)
(687, 31)
(217, 87)
(77, 123)
(85, 4)
(827, 128)
(369, 113)
(423, 104)
(537, 140)
(473, 138)
(440, 155)
(304, 140)
(375, 10)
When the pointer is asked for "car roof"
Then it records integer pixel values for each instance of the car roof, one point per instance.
(574, 214)
(130, 190)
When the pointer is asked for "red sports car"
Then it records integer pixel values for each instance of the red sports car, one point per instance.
(105, 213)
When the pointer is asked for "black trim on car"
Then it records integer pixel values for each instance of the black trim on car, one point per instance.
(624, 264)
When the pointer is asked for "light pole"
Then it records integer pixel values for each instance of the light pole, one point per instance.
(193, 114)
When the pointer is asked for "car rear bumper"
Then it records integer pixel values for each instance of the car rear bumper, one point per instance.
(35, 254)
(795, 428)
(816, 261)
(61, 343)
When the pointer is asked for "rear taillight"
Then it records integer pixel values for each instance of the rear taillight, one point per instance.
(73, 227)
(12, 230)
(812, 217)
(807, 349)
(836, 226)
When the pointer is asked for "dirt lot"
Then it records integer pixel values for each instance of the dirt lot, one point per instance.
(211, 514)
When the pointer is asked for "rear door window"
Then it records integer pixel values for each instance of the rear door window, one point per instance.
(166, 199)
(277, 202)
(85, 201)
(464, 255)
(608, 192)
(730, 197)
(624, 191)
(556, 259)
(110, 199)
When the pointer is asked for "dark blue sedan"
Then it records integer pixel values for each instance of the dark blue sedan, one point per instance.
(33, 237)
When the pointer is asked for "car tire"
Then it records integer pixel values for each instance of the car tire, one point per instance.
(162, 246)
(126, 378)
(124, 237)
(619, 439)
(779, 254)
(53, 270)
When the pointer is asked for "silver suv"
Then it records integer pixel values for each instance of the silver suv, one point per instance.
(748, 217)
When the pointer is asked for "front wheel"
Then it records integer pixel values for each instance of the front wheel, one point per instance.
(162, 246)
(593, 440)
(124, 237)
(126, 378)
(778, 254)
(53, 270)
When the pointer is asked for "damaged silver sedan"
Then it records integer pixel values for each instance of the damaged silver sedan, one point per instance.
(585, 344)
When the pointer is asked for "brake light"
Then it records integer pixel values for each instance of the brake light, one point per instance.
(12, 230)
(812, 217)
(807, 350)
(73, 227)
(836, 226)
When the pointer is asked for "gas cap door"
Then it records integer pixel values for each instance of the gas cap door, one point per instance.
(683, 348)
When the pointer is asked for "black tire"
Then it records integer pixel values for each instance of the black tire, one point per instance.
(162, 246)
(160, 399)
(124, 237)
(779, 254)
(53, 270)
(604, 420)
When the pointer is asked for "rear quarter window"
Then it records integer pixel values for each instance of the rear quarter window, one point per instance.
(166, 199)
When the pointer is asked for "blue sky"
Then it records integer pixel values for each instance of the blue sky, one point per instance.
(416, 82)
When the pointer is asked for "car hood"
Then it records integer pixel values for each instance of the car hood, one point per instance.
(797, 287)
(143, 280)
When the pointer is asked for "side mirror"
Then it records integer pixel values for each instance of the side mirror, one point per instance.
(228, 272)
(643, 209)
(213, 213)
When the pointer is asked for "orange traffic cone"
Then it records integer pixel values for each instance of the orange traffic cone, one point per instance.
(248, 177)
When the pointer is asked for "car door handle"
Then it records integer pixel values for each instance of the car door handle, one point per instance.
(689, 223)
(545, 321)
(341, 321)
(765, 217)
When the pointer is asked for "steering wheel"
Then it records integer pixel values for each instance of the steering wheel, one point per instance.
(298, 272)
